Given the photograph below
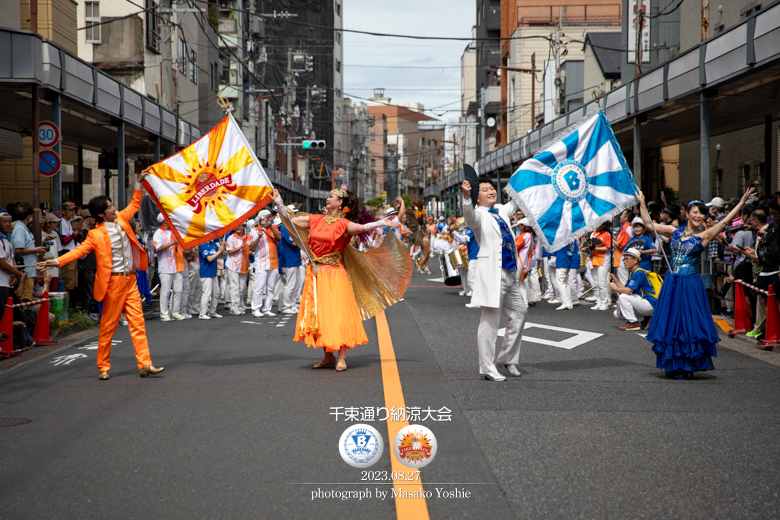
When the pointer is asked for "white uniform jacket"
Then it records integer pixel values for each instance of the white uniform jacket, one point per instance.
(487, 280)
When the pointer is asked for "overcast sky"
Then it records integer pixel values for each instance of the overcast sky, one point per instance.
(371, 61)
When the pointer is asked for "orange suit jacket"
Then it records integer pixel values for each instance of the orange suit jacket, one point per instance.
(99, 242)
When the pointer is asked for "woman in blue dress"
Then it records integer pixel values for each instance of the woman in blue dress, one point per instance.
(682, 330)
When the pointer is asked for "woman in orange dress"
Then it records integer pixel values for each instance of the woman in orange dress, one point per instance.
(328, 317)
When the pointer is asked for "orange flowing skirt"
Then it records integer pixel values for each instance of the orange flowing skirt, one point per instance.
(333, 321)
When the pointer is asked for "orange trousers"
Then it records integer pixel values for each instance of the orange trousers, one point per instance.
(122, 295)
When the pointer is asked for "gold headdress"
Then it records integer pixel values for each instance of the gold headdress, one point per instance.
(339, 193)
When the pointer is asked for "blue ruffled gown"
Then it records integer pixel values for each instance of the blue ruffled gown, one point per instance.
(682, 330)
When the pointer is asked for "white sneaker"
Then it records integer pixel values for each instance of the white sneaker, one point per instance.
(203, 317)
(473, 306)
(123, 321)
(591, 299)
(616, 313)
(513, 371)
(257, 314)
(289, 311)
(596, 308)
(461, 293)
(575, 303)
(604, 307)
(215, 315)
(555, 302)
(236, 313)
(165, 318)
(187, 315)
(269, 313)
(563, 307)
(547, 296)
(177, 316)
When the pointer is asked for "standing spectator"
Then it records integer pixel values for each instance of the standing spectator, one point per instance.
(68, 273)
(87, 269)
(9, 274)
(24, 245)
(237, 265)
(170, 263)
(289, 264)
(50, 240)
(264, 244)
(642, 241)
(764, 274)
(743, 269)
(209, 300)
(715, 206)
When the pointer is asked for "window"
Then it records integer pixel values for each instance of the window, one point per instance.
(338, 66)
(152, 28)
(338, 37)
(373, 136)
(744, 179)
(92, 16)
(373, 162)
(338, 9)
(194, 66)
(182, 57)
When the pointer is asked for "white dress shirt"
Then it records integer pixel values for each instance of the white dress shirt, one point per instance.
(121, 254)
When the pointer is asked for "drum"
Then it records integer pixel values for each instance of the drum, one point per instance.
(457, 259)
(449, 273)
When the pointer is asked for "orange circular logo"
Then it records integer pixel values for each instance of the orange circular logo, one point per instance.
(415, 446)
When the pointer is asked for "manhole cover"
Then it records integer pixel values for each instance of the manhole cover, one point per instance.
(11, 421)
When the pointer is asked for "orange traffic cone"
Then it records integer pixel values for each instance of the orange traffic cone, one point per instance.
(741, 312)
(772, 332)
(7, 328)
(41, 331)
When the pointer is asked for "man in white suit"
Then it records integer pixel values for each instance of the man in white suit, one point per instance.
(496, 278)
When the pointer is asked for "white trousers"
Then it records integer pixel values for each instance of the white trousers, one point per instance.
(633, 307)
(195, 289)
(185, 292)
(237, 286)
(265, 283)
(550, 287)
(299, 285)
(600, 285)
(250, 284)
(566, 282)
(210, 295)
(472, 273)
(464, 281)
(168, 282)
(516, 310)
(532, 290)
(288, 296)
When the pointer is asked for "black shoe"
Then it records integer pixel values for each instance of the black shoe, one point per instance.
(727, 314)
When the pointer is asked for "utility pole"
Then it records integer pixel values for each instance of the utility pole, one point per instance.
(166, 59)
(532, 71)
(35, 151)
(558, 81)
(288, 105)
(638, 47)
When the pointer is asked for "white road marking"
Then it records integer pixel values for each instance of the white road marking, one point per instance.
(67, 360)
(580, 337)
(436, 280)
(94, 345)
(250, 322)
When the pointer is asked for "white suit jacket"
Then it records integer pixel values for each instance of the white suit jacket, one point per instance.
(487, 280)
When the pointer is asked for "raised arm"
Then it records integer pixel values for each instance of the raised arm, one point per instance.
(301, 222)
(353, 228)
(718, 228)
(662, 229)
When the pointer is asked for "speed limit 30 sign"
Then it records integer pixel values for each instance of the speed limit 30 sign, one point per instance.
(48, 134)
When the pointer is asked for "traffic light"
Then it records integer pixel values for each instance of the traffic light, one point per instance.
(317, 145)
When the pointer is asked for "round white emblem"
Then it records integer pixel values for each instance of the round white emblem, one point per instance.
(415, 446)
(570, 181)
(361, 445)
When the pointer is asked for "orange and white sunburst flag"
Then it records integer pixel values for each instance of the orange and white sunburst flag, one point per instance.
(210, 187)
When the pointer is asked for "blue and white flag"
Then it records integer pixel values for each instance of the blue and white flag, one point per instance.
(575, 184)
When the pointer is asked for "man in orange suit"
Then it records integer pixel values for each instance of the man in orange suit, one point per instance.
(118, 253)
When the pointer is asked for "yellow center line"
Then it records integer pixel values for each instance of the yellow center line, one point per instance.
(405, 508)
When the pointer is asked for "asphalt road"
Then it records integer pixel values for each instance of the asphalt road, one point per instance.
(239, 426)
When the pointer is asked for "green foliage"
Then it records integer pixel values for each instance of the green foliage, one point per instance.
(376, 202)
(407, 200)
(77, 320)
(672, 197)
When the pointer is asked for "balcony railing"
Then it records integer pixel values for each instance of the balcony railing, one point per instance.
(548, 14)
(228, 25)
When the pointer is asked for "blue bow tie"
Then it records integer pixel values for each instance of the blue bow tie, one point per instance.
(494, 211)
